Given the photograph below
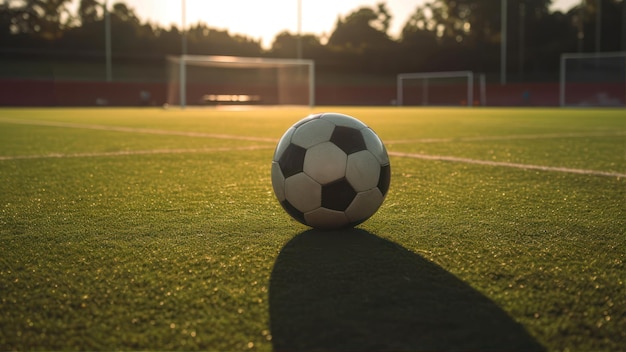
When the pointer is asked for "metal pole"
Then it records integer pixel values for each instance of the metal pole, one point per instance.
(623, 26)
(107, 41)
(399, 94)
(312, 85)
(183, 73)
(483, 90)
(470, 89)
(581, 27)
(599, 24)
(503, 31)
(299, 39)
(562, 81)
(522, 20)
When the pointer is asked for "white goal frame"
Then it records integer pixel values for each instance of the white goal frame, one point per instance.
(572, 56)
(240, 62)
(426, 76)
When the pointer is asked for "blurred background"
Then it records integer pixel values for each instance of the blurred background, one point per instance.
(114, 53)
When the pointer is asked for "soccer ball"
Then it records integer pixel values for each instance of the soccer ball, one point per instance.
(330, 171)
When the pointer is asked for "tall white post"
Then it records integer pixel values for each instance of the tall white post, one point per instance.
(107, 41)
(299, 39)
(503, 35)
(483, 89)
(562, 81)
(599, 24)
(312, 86)
(623, 27)
(470, 89)
(399, 93)
(183, 72)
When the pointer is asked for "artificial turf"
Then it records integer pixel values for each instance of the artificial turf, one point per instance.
(158, 229)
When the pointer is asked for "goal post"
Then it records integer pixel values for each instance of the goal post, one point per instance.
(440, 88)
(217, 80)
(593, 79)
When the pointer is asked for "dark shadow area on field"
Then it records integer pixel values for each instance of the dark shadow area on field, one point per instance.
(354, 291)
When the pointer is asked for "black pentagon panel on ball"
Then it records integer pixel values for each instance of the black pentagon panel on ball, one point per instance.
(291, 210)
(337, 195)
(292, 160)
(350, 140)
(384, 180)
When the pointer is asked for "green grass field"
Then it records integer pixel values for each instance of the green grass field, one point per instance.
(150, 229)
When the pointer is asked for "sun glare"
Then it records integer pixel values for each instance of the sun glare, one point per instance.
(259, 20)
(263, 20)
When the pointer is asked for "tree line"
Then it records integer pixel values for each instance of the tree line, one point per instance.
(440, 35)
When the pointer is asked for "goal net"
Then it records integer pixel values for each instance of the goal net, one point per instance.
(593, 79)
(228, 80)
(453, 88)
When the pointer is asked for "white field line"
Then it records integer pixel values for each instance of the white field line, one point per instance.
(506, 164)
(132, 152)
(273, 140)
(509, 137)
(262, 139)
(138, 130)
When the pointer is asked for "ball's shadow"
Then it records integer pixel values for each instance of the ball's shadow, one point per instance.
(354, 291)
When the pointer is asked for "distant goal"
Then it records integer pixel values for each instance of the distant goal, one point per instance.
(195, 80)
(593, 79)
(452, 88)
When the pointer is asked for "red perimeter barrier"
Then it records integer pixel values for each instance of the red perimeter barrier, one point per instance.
(78, 93)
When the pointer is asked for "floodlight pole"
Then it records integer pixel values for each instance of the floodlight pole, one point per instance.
(470, 89)
(483, 89)
(299, 39)
(107, 41)
(522, 19)
(599, 24)
(623, 27)
(183, 73)
(312, 85)
(503, 35)
(581, 27)
(562, 80)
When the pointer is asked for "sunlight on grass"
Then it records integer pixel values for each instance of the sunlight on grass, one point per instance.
(190, 250)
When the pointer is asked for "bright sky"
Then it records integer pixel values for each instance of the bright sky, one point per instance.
(264, 19)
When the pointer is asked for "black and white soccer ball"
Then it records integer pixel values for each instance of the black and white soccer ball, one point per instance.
(330, 171)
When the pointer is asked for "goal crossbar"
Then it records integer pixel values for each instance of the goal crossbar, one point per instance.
(597, 55)
(215, 60)
(469, 75)
(242, 62)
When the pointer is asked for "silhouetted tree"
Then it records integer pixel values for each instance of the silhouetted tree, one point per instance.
(6, 22)
(440, 35)
(360, 40)
(169, 41)
(285, 45)
(612, 24)
(203, 40)
(89, 11)
(47, 17)
(365, 27)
